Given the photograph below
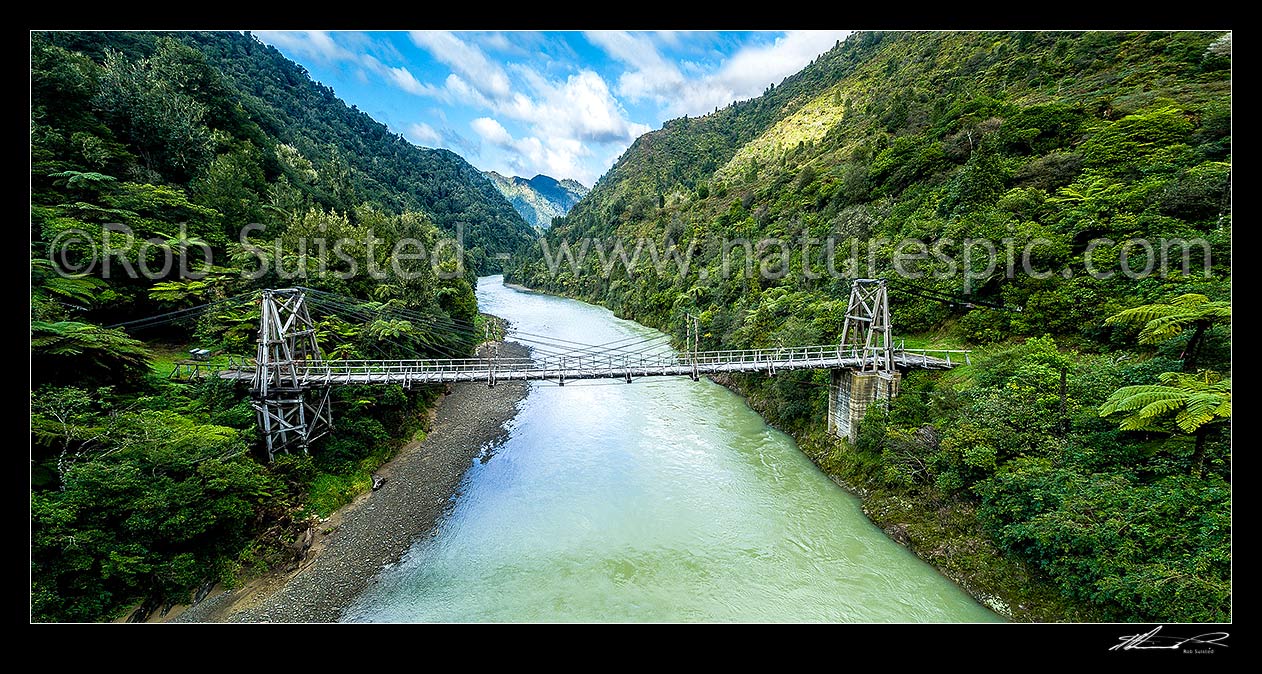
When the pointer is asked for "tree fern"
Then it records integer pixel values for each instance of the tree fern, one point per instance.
(1161, 322)
(1196, 400)
(48, 288)
(84, 350)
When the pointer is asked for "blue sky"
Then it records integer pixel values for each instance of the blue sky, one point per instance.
(565, 104)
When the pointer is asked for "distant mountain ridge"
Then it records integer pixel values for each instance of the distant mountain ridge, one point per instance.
(540, 198)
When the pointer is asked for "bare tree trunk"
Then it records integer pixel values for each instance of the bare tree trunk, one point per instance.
(1064, 413)
(1189, 353)
(1198, 454)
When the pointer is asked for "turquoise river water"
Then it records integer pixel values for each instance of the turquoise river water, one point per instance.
(662, 500)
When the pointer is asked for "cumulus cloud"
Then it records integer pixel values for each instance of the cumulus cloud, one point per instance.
(320, 46)
(497, 41)
(651, 75)
(555, 156)
(423, 134)
(405, 80)
(581, 107)
(748, 72)
(694, 90)
(562, 115)
(466, 60)
(453, 140)
(492, 132)
(313, 44)
(539, 106)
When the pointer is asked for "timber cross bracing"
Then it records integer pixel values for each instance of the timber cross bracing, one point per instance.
(867, 329)
(291, 413)
(290, 380)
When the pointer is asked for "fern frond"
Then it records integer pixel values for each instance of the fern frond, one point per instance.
(1138, 424)
(1189, 301)
(1160, 407)
(1217, 311)
(1141, 314)
(1198, 412)
(1165, 327)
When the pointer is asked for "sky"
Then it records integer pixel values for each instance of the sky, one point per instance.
(564, 104)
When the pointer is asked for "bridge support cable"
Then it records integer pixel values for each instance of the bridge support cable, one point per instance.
(411, 350)
(430, 339)
(183, 314)
(429, 326)
(290, 379)
(586, 357)
(438, 325)
(549, 345)
(449, 329)
(969, 302)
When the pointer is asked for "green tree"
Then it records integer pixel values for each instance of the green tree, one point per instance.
(1195, 400)
(164, 123)
(74, 350)
(1163, 321)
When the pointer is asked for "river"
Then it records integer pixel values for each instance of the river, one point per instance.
(661, 500)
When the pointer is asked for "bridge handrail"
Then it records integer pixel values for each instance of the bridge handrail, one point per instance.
(610, 362)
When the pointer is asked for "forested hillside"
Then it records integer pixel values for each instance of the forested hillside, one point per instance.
(144, 490)
(1079, 468)
(305, 144)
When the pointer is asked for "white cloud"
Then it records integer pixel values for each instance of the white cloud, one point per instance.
(671, 37)
(320, 46)
(466, 60)
(561, 116)
(405, 80)
(492, 132)
(538, 106)
(364, 43)
(423, 134)
(651, 74)
(556, 157)
(313, 44)
(751, 69)
(498, 42)
(744, 74)
(581, 107)
(456, 90)
(553, 155)
(567, 119)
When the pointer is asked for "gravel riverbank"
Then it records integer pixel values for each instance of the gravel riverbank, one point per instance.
(380, 526)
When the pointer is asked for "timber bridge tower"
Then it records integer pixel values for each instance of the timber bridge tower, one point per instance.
(291, 413)
(867, 332)
(290, 380)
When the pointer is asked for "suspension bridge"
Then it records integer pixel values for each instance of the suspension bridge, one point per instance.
(290, 376)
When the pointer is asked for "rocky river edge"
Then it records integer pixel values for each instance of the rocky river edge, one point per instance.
(375, 530)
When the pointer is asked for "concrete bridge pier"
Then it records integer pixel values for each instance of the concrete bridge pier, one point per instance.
(852, 392)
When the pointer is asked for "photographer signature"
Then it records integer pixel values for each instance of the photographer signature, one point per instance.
(1155, 641)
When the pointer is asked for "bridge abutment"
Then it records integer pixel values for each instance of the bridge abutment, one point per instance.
(852, 392)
